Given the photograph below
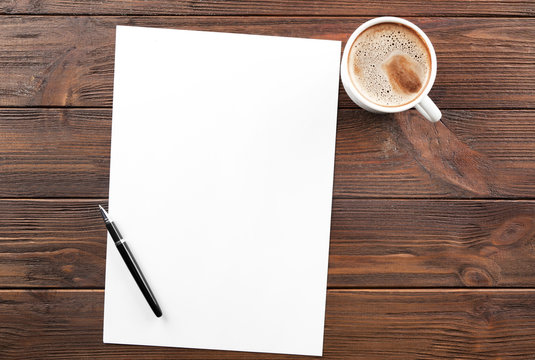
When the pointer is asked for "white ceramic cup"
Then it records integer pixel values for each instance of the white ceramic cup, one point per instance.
(422, 102)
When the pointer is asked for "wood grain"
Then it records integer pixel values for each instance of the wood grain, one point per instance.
(482, 154)
(374, 243)
(394, 223)
(54, 152)
(360, 324)
(68, 61)
(51, 243)
(432, 243)
(270, 7)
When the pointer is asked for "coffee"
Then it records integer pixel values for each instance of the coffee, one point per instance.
(389, 64)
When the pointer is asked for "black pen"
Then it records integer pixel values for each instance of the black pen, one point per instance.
(131, 263)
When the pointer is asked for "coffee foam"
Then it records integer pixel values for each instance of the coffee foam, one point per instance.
(389, 64)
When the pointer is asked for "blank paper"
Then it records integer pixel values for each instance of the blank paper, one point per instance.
(222, 163)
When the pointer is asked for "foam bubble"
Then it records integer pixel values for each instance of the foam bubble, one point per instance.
(373, 49)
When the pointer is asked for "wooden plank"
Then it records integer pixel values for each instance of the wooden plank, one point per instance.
(432, 243)
(68, 61)
(374, 243)
(271, 7)
(54, 152)
(359, 324)
(51, 243)
(483, 154)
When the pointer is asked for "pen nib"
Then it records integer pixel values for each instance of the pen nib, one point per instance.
(103, 213)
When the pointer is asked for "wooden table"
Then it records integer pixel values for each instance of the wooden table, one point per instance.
(433, 227)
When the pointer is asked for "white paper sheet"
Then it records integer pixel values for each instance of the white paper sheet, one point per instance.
(221, 180)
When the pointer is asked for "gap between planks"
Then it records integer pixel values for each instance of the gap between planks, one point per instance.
(329, 289)
(208, 14)
(441, 199)
(343, 107)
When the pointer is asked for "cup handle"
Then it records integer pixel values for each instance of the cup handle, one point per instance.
(428, 109)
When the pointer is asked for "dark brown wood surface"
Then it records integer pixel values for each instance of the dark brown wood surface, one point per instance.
(271, 7)
(443, 243)
(471, 153)
(68, 61)
(359, 324)
(51, 243)
(432, 250)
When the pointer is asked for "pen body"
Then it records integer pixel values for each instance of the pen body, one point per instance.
(130, 262)
(138, 275)
(113, 231)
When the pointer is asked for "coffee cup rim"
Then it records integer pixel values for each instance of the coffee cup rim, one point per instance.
(346, 79)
